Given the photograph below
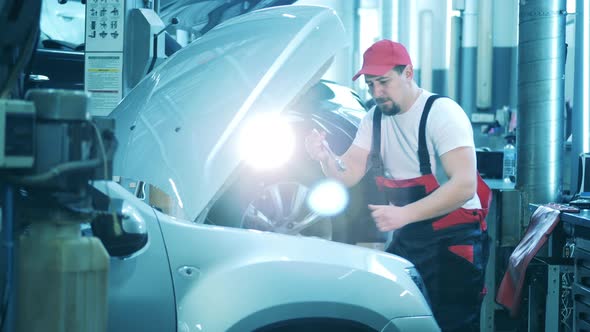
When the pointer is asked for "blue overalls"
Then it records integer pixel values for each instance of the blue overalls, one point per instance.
(450, 251)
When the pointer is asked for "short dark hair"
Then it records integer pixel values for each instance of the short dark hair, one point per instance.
(399, 68)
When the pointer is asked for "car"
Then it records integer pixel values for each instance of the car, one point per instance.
(182, 132)
(327, 105)
(270, 200)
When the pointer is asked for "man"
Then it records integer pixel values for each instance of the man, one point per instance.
(439, 228)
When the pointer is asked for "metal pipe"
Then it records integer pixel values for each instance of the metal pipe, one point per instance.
(387, 19)
(9, 292)
(505, 55)
(467, 73)
(356, 40)
(431, 38)
(404, 22)
(426, 41)
(455, 55)
(540, 128)
(484, 55)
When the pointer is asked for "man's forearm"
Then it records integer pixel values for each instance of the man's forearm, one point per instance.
(331, 170)
(353, 166)
(447, 198)
(348, 177)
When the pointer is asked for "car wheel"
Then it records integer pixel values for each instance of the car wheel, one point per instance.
(276, 203)
(282, 208)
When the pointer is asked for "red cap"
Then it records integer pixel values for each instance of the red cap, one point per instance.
(381, 57)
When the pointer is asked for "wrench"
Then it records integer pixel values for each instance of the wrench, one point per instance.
(339, 163)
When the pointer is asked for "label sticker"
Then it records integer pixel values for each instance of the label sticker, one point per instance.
(104, 80)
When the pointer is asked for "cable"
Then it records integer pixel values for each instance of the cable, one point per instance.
(67, 167)
(54, 172)
(8, 243)
(20, 64)
(104, 163)
(566, 306)
(102, 149)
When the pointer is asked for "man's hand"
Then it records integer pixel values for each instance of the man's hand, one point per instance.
(389, 217)
(354, 159)
(315, 146)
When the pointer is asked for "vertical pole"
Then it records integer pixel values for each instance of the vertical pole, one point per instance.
(540, 128)
(484, 55)
(505, 54)
(468, 54)
(581, 104)
(455, 57)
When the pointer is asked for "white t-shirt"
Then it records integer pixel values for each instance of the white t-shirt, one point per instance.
(447, 128)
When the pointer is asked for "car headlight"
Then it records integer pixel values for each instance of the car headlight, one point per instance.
(267, 142)
(415, 275)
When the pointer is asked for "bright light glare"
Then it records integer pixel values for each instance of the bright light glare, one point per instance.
(585, 77)
(267, 142)
(328, 198)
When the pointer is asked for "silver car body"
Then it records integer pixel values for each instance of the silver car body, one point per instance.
(178, 131)
(194, 277)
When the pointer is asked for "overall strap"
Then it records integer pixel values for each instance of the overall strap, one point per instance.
(375, 155)
(423, 155)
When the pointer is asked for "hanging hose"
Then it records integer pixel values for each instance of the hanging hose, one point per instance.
(8, 318)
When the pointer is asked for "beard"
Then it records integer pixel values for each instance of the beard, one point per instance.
(389, 110)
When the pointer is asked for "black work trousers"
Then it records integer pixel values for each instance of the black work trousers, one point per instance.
(452, 264)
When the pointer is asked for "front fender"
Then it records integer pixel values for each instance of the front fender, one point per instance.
(253, 295)
(224, 276)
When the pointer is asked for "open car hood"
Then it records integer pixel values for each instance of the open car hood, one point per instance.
(200, 16)
(63, 23)
(179, 128)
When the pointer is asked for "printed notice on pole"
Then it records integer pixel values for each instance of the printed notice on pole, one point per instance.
(104, 25)
(104, 80)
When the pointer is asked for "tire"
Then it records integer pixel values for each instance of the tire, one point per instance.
(281, 208)
(276, 202)
(316, 325)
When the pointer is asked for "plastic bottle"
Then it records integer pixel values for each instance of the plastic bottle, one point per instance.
(509, 161)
